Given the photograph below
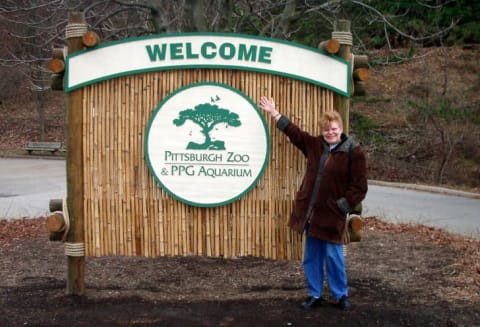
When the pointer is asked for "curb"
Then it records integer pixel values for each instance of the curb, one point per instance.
(426, 188)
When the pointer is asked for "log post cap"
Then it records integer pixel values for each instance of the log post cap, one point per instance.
(56, 66)
(361, 74)
(332, 46)
(355, 223)
(56, 222)
(90, 39)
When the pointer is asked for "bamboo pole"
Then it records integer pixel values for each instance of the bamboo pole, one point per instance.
(217, 221)
(161, 227)
(184, 232)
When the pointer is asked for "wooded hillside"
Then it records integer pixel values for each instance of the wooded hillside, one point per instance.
(419, 120)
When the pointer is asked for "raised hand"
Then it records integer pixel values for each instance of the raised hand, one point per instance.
(268, 105)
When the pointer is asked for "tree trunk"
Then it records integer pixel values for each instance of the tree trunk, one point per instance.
(195, 16)
(40, 102)
(282, 28)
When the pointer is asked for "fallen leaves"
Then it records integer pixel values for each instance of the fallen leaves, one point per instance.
(16, 229)
(466, 276)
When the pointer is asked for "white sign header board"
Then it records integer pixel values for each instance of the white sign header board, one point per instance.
(207, 50)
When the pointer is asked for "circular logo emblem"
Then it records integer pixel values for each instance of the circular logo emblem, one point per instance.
(207, 144)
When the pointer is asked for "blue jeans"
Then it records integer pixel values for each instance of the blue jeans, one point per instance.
(318, 254)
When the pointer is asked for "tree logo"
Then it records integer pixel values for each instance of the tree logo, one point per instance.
(207, 116)
(207, 144)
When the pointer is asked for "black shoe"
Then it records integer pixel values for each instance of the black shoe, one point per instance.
(311, 302)
(344, 303)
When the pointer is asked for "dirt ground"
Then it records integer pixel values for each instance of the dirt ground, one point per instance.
(399, 275)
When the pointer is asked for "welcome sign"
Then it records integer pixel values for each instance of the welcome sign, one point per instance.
(207, 50)
(207, 144)
(170, 154)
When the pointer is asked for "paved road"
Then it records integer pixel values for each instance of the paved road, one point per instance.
(27, 185)
(457, 212)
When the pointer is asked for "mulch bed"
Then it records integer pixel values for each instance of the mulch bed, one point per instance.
(399, 275)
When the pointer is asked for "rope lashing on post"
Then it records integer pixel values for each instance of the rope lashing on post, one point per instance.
(75, 249)
(344, 38)
(75, 30)
(71, 249)
(346, 236)
(66, 218)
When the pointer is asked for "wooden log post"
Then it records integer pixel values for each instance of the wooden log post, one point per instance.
(361, 73)
(56, 226)
(343, 34)
(55, 205)
(57, 67)
(56, 82)
(355, 223)
(355, 236)
(331, 46)
(359, 88)
(353, 233)
(360, 61)
(75, 243)
(90, 39)
(56, 222)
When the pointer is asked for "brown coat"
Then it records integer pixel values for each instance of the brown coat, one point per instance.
(336, 196)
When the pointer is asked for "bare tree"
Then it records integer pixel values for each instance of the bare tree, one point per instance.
(33, 28)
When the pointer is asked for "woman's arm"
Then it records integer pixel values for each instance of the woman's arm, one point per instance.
(268, 105)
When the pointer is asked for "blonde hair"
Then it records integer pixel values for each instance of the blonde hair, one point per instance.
(328, 117)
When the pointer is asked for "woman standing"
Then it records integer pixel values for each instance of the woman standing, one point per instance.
(335, 182)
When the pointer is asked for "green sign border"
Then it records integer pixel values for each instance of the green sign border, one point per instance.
(171, 193)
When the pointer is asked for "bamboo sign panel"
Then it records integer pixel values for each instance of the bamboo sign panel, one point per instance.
(128, 213)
